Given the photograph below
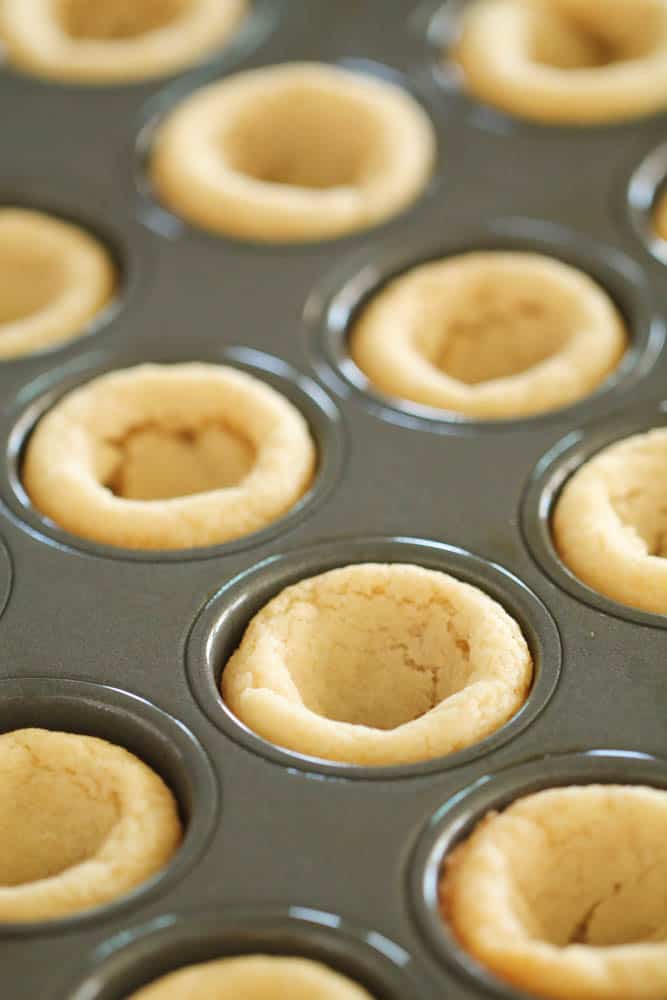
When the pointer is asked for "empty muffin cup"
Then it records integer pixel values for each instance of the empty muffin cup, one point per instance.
(84, 822)
(562, 893)
(377, 664)
(610, 522)
(116, 41)
(566, 61)
(268, 977)
(169, 457)
(489, 335)
(292, 153)
(57, 279)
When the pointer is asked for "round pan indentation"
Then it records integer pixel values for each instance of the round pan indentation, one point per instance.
(156, 738)
(544, 487)
(647, 186)
(333, 306)
(457, 818)
(175, 940)
(220, 627)
(320, 413)
(76, 202)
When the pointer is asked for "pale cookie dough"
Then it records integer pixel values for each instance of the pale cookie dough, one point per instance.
(489, 335)
(169, 457)
(254, 977)
(378, 664)
(55, 279)
(610, 522)
(295, 152)
(82, 823)
(114, 41)
(563, 894)
(566, 61)
(660, 217)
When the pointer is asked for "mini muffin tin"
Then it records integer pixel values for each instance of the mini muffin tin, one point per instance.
(282, 853)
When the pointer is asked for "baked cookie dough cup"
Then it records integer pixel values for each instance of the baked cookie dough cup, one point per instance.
(610, 522)
(114, 41)
(56, 279)
(376, 664)
(566, 61)
(660, 216)
(254, 977)
(293, 153)
(169, 457)
(489, 335)
(82, 823)
(563, 894)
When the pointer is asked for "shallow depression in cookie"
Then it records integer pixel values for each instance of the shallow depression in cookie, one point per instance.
(378, 664)
(419, 331)
(101, 796)
(58, 281)
(489, 335)
(295, 152)
(509, 883)
(169, 457)
(85, 822)
(373, 664)
(565, 61)
(118, 41)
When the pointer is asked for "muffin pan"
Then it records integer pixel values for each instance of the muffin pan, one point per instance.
(283, 853)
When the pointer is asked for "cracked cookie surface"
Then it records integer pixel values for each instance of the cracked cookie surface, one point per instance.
(610, 522)
(489, 335)
(378, 664)
(566, 61)
(254, 977)
(563, 893)
(168, 457)
(82, 822)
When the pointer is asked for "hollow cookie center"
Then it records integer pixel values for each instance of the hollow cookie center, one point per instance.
(379, 662)
(494, 334)
(302, 138)
(578, 40)
(50, 820)
(642, 507)
(118, 20)
(157, 463)
(572, 896)
(29, 281)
